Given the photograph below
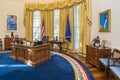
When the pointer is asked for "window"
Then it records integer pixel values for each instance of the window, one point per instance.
(36, 25)
(56, 23)
(76, 27)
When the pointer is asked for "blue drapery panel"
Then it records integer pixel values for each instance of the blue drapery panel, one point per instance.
(68, 31)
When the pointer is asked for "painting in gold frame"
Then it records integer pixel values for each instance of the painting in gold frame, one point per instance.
(104, 21)
(11, 23)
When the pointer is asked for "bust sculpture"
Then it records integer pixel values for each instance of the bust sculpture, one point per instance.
(97, 42)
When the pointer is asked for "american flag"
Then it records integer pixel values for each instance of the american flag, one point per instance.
(43, 31)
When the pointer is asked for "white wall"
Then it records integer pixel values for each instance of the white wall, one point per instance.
(8, 7)
(11, 8)
(113, 36)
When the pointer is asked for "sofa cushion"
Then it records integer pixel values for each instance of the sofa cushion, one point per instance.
(104, 61)
(116, 71)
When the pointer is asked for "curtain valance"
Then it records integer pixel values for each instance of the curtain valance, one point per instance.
(50, 6)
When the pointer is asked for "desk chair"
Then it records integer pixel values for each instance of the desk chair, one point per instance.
(45, 39)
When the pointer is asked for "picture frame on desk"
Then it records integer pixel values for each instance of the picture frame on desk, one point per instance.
(103, 43)
(11, 23)
(16, 36)
(6, 36)
(104, 21)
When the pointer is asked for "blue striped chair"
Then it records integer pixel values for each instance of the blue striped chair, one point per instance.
(112, 64)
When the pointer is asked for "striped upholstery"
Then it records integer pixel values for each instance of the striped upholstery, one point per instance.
(116, 71)
(105, 62)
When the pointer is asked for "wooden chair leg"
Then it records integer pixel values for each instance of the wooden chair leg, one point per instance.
(107, 73)
(110, 77)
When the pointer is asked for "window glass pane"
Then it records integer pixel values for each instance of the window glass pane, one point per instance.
(56, 23)
(56, 32)
(56, 35)
(36, 25)
(76, 27)
(76, 31)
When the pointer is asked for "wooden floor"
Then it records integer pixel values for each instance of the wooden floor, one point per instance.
(98, 75)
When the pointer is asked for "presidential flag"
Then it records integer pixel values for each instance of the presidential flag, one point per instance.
(68, 31)
(43, 31)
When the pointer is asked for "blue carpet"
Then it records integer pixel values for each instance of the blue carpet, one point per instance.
(56, 69)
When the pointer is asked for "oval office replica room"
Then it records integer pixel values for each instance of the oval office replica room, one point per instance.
(59, 40)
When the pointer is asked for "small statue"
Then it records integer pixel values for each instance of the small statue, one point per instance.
(12, 35)
(97, 39)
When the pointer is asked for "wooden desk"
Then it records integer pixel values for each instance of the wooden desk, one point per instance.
(31, 55)
(59, 43)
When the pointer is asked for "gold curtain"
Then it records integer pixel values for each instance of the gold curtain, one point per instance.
(63, 20)
(48, 10)
(88, 22)
(48, 20)
(28, 19)
(63, 17)
(85, 24)
(78, 1)
(28, 24)
(47, 14)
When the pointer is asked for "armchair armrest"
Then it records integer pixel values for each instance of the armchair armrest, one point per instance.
(109, 61)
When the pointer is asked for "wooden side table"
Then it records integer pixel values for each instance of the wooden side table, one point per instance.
(1, 46)
(59, 43)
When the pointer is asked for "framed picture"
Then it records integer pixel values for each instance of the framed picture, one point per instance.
(11, 24)
(104, 19)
